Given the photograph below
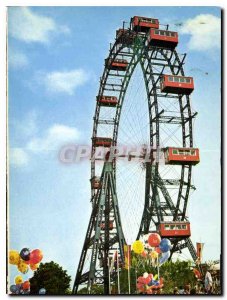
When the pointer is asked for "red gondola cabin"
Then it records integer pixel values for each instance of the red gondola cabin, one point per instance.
(174, 229)
(107, 100)
(121, 33)
(181, 156)
(95, 182)
(163, 38)
(102, 142)
(125, 36)
(143, 24)
(117, 64)
(177, 84)
(110, 225)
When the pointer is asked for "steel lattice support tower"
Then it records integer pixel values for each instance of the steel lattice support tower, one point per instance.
(155, 210)
(100, 240)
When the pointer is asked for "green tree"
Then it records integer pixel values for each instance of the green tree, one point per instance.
(95, 290)
(52, 277)
(176, 274)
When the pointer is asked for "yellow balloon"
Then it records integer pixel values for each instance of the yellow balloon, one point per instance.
(34, 267)
(18, 279)
(155, 277)
(138, 247)
(14, 257)
(154, 254)
(22, 267)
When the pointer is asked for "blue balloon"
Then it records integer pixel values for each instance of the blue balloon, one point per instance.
(153, 282)
(13, 288)
(25, 254)
(19, 286)
(19, 289)
(164, 257)
(42, 291)
(165, 245)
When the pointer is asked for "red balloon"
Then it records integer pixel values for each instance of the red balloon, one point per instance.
(140, 286)
(36, 256)
(158, 250)
(154, 239)
(148, 279)
(141, 279)
(144, 254)
(26, 285)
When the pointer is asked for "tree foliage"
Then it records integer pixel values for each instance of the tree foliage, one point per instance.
(95, 290)
(51, 277)
(177, 274)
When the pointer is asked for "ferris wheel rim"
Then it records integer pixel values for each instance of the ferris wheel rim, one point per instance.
(112, 55)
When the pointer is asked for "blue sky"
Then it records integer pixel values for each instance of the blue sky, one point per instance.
(56, 57)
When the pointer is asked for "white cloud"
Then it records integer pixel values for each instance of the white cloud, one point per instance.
(55, 137)
(17, 59)
(204, 31)
(64, 29)
(26, 126)
(52, 139)
(29, 27)
(18, 157)
(65, 81)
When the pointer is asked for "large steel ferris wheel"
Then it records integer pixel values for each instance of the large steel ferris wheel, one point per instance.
(169, 119)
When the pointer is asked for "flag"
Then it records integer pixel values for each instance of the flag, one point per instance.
(113, 261)
(127, 255)
(199, 251)
(197, 273)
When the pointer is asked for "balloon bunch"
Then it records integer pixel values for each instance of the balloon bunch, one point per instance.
(151, 251)
(20, 287)
(25, 259)
(154, 248)
(147, 283)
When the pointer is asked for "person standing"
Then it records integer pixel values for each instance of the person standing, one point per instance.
(181, 290)
(187, 289)
(208, 282)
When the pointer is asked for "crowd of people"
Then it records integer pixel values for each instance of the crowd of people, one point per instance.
(188, 290)
(209, 286)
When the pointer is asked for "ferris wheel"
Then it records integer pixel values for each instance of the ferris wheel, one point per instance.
(143, 110)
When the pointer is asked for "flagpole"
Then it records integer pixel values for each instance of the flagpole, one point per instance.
(109, 275)
(129, 283)
(158, 266)
(118, 277)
